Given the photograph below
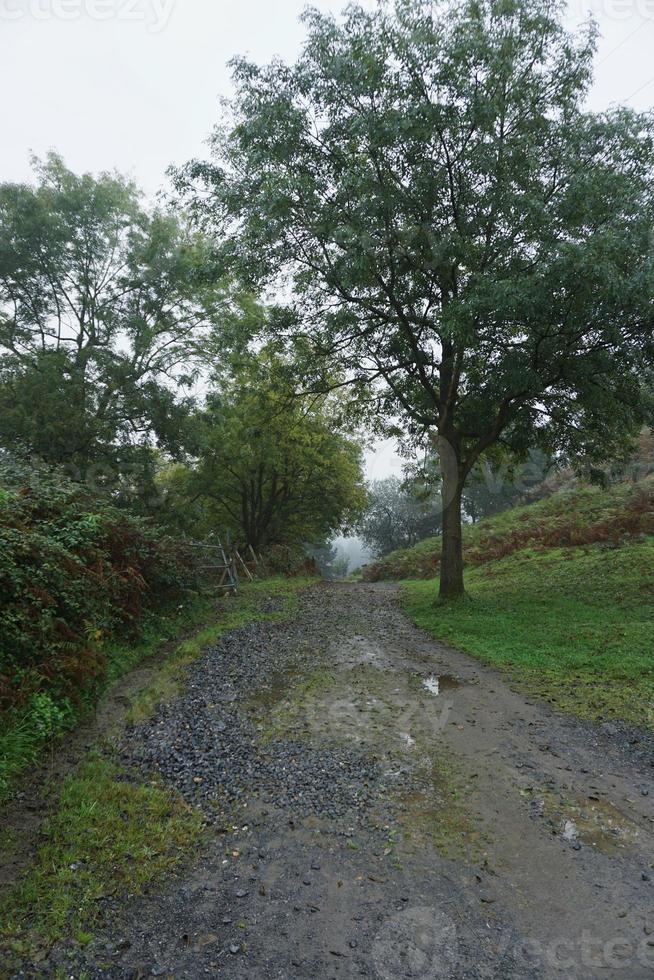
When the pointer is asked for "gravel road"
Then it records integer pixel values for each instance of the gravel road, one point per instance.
(380, 805)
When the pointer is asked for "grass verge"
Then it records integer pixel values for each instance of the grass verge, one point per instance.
(110, 836)
(574, 626)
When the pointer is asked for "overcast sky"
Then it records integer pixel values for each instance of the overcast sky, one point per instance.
(134, 84)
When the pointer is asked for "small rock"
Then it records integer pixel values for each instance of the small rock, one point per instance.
(234, 949)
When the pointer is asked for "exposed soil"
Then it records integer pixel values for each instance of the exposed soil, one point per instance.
(381, 805)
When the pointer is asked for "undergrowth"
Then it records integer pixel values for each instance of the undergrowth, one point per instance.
(569, 518)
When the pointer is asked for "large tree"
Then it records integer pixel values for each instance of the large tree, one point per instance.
(102, 307)
(470, 242)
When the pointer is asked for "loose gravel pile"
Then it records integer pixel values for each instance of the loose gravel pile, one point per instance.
(205, 744)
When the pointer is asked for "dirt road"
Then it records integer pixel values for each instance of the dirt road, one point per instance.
(386, 807)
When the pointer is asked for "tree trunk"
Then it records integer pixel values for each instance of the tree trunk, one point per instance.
(451, 585)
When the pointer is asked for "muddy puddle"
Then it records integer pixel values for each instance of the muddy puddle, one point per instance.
(594, 823)
(439, 683)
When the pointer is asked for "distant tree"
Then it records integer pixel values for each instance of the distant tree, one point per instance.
(397, 518)
(275, 468)
(465, 239)
(331, 563)
(102, 306)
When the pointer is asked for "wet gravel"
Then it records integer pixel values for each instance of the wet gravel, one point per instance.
(205, 744)
(287, 893)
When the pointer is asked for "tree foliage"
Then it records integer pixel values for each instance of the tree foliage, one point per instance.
(396, 517)
(468, 241)
(102, 308)
(275, 468)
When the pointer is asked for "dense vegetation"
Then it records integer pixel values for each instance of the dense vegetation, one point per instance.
(111, 315)
(274, 468)
(81, 581)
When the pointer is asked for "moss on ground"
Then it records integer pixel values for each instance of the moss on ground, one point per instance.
(435, 812)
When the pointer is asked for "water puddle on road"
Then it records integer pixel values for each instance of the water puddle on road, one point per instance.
(596, 823)
(437, 685)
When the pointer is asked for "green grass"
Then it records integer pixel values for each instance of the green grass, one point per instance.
(111, 836)
(108, 837)
(574, 625)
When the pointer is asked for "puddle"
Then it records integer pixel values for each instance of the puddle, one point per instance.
(596, 823)
(436, 685)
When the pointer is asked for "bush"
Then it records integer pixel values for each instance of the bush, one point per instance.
(75, 573)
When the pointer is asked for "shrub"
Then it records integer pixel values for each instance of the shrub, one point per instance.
(75, 573)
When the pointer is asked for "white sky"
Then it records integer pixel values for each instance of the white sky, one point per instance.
(134, 84)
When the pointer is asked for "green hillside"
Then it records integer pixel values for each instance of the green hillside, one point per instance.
(560, 594)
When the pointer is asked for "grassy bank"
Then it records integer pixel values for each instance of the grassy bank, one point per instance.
(109, 834)
(576, 626)
(560, 593)
(108, 837)
(568, 519)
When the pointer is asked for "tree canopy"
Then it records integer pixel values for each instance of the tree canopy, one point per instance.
(275, 468)
(458, 232)
(103, 305)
